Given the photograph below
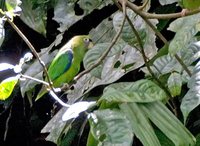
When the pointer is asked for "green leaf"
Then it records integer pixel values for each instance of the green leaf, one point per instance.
(141, 126)
(11, 5)
(174, 84)
(66, 16)
(160, 115)
(147, 36)
(89, 5)
(96, 52)
(163, 65)
(91, 141)
(111, 128)
(192, 98)
(140, 91)
(7, 86)
(164, 141)
(34, 18)
(185, 29)
(104, 32)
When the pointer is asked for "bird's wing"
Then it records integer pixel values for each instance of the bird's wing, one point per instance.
(60, 64)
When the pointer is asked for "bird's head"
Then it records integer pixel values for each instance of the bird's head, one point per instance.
(81, 43)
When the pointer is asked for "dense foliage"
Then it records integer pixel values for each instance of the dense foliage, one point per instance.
(140, 82)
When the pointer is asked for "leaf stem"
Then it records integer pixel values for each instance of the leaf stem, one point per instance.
(33, 51)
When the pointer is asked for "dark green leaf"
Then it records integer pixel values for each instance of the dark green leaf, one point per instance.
(139, 91)
(111, 128)
(141, 126)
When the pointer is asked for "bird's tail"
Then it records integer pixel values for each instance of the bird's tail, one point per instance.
(41, 93)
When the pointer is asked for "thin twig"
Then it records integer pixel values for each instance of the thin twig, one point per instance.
(34, 79)
(146, 61)
(32, 49)
(159, 16)
(137, 11)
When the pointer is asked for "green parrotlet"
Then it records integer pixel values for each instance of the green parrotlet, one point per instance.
(66, 63)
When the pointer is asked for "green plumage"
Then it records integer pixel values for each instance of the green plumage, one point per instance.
(66, 63)
(191, 4)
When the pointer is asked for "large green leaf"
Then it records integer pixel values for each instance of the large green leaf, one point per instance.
(141, 126)
(104, 32)
(34, 18)
(163, 65)
(7, 86)
(139, 91)
(147, 36)
(192, 99)
(66, 16)
(185, 29)
(111, 128)
(160, 115)
(174, 84)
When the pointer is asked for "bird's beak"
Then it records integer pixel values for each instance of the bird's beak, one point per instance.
(90, 45)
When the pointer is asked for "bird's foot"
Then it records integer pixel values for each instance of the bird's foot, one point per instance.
(184, 12)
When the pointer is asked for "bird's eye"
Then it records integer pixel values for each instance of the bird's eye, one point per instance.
(87, 40)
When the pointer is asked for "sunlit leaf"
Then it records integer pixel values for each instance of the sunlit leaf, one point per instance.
(5, 66)
(192, 98)
(174, 84)
(185, 29)
(74, 110)
(140, 91)
(111, 128)
(7, 86)
(11, 5)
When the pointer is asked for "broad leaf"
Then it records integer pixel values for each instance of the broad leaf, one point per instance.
(140, 91)
(66, 16)
(74, 110)
(5, 66)
(141, 126)
(111, 128)
(160, 115)
(192, 98)
(185, 29)
(104, 32)
(7, 86)
(174, 84)
(147, 36)
(34, 18)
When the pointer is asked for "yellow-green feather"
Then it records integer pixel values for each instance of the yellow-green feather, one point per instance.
(191, 4)
(79, 48)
